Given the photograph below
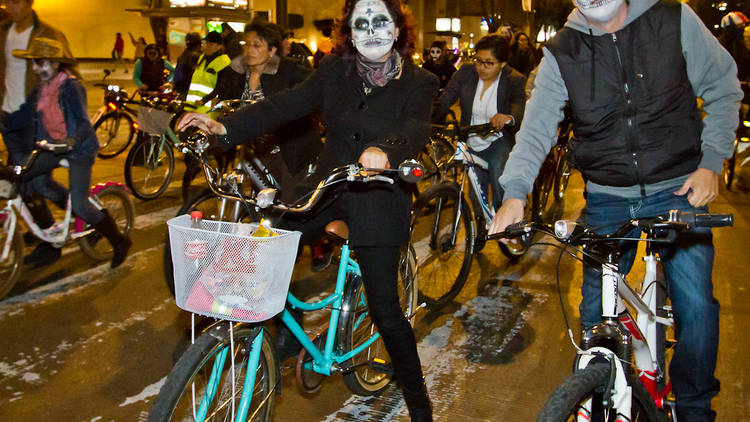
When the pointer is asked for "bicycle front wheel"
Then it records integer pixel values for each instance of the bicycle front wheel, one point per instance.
(442, 232)
(149, 168)
(10, 267)
(357, 327)
(114, 131)
(116, 202)
(188, 386)
(579, 397)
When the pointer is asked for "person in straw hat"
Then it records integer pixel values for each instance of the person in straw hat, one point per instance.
(57, 112)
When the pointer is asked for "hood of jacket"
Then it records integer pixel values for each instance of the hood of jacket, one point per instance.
(636, 8)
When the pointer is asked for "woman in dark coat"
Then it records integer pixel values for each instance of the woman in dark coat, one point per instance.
(375, 105)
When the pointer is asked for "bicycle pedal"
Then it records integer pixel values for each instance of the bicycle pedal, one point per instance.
(376, 364)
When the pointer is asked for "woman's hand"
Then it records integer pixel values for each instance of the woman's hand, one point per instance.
(202, 122)
(374, 158)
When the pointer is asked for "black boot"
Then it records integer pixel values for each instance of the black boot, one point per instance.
(418, 403)
(120, 243)
(43, 254)
(287, 344)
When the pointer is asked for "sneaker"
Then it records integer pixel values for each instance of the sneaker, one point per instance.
(30, 239)
(322, 253)
(43, 254)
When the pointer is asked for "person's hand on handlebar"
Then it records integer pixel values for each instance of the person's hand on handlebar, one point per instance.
(499, 121)
(374, 158)
(511, 212)
(204, 123)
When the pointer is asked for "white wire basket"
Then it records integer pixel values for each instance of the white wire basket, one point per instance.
(152, 120)
(225, 275)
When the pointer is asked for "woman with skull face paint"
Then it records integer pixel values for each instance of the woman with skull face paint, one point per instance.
(375, 105)
(439, 64)
(56, 111)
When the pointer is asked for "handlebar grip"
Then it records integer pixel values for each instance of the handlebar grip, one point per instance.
(713, 220)
(511, 231)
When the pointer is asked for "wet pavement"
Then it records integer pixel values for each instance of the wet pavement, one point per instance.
(81, 342)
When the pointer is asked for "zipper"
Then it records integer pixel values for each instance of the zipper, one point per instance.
(630, 129)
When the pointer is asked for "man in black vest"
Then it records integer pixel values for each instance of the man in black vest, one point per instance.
(631, 72)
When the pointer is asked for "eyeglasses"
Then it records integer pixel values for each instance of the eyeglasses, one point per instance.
(489, 64)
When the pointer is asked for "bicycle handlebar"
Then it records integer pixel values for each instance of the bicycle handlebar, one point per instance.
(410, 171)
(673, 221)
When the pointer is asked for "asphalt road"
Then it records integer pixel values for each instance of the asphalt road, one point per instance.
(81, 342)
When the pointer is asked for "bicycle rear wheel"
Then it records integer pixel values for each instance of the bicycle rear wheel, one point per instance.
(114, 131)
(579, 397)
(10, 267)
(187, 385)
(118, 204)
(444, 259)
(149, 168)
(356, 327)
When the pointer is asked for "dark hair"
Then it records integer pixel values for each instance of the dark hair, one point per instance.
(438, 44)
(402, 18)
(497, 45)
(271, 33)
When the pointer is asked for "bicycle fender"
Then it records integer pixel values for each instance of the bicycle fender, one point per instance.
(622, 396)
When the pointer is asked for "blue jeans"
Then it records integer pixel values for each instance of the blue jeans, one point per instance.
(496, 155)
(688, 264)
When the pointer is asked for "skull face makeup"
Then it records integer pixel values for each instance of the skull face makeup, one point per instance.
(44, 68)
(435, 53)
(373, 29)
(600, 11)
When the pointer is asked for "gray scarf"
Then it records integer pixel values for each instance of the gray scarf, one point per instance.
(377, 74)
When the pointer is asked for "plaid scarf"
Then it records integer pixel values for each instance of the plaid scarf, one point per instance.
(377, 74)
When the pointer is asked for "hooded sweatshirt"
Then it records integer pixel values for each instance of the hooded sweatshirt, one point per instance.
(712, 74)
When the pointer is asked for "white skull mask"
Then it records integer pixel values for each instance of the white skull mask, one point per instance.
(600, 11)
(373, 29)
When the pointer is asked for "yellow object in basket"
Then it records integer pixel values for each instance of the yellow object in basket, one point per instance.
(264, 229)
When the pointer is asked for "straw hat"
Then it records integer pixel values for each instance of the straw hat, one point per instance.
(45, 48)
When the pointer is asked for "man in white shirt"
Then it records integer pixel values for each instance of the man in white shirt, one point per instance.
(489, 91)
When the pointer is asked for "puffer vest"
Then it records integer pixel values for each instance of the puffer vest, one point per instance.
(635, 115)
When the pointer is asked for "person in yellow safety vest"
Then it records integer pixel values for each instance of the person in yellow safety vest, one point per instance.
(206, 73)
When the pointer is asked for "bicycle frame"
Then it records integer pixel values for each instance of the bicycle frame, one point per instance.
(469, 161)
(633, 337)
(325, 361)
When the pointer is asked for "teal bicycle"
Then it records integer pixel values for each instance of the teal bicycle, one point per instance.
(231, 371)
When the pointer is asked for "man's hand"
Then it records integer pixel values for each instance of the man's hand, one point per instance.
(202, 122)
(375, 158)
(511, 212)
(703, 186)
(499, 121)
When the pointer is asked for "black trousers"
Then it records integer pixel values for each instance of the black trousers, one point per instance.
(379, 266)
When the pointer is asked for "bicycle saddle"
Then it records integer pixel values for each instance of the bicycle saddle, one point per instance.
(338, 228)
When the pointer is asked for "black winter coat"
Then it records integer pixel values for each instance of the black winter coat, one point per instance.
(299, 140)
(394, 118)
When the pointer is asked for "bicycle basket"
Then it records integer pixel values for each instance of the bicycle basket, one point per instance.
(152, 120)
(221, 274)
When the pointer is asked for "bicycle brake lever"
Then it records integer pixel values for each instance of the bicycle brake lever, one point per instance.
(378, 178)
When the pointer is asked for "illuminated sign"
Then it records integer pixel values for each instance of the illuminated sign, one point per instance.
(227, 4)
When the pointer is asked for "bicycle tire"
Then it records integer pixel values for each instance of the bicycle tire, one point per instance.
(113, 140)
(10, 267)
(565, 402)
(116, 200)
(356, 326)
(174, 401)
(213, 208)
(142, 165)
(444, 266)
(562, 176)
(727, 171)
